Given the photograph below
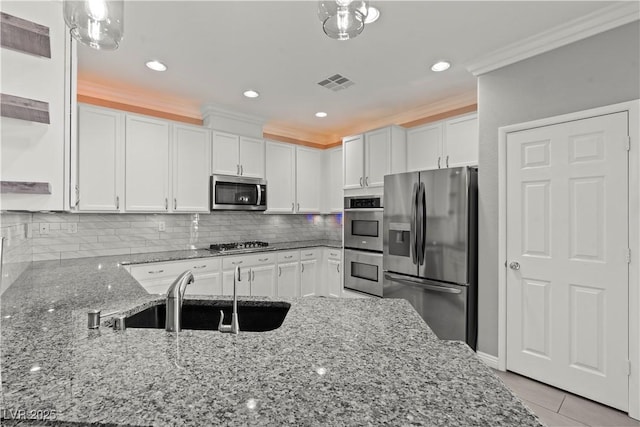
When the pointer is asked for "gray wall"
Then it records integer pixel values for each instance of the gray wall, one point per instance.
(594, 72)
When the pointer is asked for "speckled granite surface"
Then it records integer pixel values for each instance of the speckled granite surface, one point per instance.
(204, 253)
(332, 362)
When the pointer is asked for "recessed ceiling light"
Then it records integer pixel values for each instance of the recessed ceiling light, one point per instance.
(156, 65)
(321, 114)
(251, 94)
(440, 66)
(372, 15)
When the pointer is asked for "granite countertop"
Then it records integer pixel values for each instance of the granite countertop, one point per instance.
(206, 253)
(332, 362)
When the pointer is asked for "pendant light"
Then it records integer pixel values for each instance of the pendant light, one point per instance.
(96, 23)
(342, 19)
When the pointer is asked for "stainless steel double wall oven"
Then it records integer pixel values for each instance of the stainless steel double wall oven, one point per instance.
(363, 244)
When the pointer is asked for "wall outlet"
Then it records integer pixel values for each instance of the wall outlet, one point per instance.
(161, 226)
(73, 227)
(44, 228)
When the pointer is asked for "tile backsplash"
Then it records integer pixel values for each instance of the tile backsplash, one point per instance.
(56, 236)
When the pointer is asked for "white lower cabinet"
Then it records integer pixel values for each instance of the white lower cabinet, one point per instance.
(257, 274)
(263, 280)
(243, 286)
(288, 280)
(333, 272)
(309, 272)
(156, 277)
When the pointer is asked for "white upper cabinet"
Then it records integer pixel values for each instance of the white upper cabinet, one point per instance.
(444, 144)
(353, 169)
(191, 154)
(281, 177)
(308, 179)
(368, 158)
(146, 164)
(237, 155)
(100, 159)
(333, 183)
(462, 139)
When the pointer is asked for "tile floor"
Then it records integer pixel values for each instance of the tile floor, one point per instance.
(556, 407)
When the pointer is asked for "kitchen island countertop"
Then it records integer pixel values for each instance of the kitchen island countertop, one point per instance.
(332, 362)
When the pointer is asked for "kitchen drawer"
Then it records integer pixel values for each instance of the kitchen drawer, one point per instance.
(158, 270)
(200, 266)
(333, 253)
(288, 256)
(310, 253)
(248, 260)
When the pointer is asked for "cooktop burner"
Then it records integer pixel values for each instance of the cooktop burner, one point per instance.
(223, 247)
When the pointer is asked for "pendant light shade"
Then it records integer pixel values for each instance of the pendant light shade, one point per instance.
(96, 23)
(342, 19)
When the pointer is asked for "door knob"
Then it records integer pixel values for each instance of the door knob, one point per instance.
(514, 265)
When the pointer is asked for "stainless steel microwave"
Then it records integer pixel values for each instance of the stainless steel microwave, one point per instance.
(238, 193)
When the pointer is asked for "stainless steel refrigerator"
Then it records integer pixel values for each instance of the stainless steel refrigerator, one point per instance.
(430, 247)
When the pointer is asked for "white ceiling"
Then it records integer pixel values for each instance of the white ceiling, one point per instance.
(217, 49)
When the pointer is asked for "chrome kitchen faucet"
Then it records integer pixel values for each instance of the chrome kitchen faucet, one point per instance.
(232, 328)
(175, 297)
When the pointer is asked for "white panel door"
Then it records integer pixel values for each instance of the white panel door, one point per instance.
(461, 148)
(424, 147)
(205, 284)
(567, 230)
(309, 278)
(263, 281)
(334, 278)
(100, 159)
(288, 279)
(251, 157)
(147, 165)
(281, 177)
(334, 189)
(191, 154)
(377, 157)
(225, 154)
(308, 176)
(243, 287)
(353, 162)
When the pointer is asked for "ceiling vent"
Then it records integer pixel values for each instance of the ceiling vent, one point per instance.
(336, 82)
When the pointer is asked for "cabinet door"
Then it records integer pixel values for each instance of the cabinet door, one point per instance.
(206, 284)
(147, 165)
(461, 141)
(377, 155)
(335, 198)
(288, 279)
(100, 159)
(243, 287)
(225, 154)
(308, 173)
(334, 278)
(309, 278)
(251, 157)
(191, 154)
(424, 147)
(281, 176)
(353, 162)
(263, 280)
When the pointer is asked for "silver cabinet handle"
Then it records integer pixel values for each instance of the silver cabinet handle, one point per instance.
(309, 254)
(237, 169)
(166, 204)
(338, 267)
(438, 162)
(117, 202)
(263, 259)
(298, 207)
(361, 182)
(279, 271)
(288, 256)
(293, 207)
(175, 203)
(237, 274)
(447, 162)
(236, 262)
(253, 275)
(302, 265)
(514, 265)
(241, 170)
(366, 181)
(156, 272)
(198, 267)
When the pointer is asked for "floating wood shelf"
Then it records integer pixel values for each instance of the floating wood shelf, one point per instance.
(17, 107)
(24, 36)
(23, 187)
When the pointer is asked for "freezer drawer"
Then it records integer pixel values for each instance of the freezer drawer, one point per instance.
(444, 307)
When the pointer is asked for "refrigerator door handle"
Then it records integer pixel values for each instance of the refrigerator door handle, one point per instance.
(422, 226)
(420, 284)
(412, 232)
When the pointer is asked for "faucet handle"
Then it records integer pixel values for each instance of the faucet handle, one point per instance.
(221, 326)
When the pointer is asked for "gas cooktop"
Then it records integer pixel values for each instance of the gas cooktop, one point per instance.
(236, 246)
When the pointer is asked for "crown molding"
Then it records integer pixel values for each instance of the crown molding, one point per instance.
(292, 133)
(219, 111)
(596, 22)
(137, 97)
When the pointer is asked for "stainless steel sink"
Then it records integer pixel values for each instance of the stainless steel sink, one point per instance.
(253, 316)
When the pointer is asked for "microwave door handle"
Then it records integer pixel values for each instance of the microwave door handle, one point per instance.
(421, 284)
(259, 194)
(412, 231)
